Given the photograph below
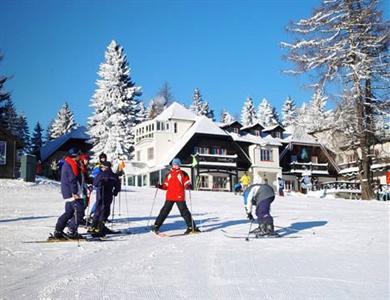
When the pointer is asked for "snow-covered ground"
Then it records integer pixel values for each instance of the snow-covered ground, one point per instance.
(342, 252)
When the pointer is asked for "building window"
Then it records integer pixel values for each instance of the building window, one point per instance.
(218, 151)
(158, 126)
(201, 150)
(266, 155)
(278, 134)
(257, 132)
(175, 127)
(204, 182)
(150, 153)
(138, 155)
(236, 130)
(219, 182)
(3, 152)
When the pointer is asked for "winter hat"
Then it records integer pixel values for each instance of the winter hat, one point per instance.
(73, 152)
(176, 161)
(84, 157)
(102, 155)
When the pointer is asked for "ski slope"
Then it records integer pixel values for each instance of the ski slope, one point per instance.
(342, 252)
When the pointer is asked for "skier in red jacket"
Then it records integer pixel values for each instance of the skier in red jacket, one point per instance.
(175, 184)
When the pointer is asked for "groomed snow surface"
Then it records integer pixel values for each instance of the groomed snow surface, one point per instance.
(342, 251)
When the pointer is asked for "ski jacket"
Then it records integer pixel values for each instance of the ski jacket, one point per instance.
(256, 193)
(107, 184)
(70, 179)
(175, 184)
(245, 180)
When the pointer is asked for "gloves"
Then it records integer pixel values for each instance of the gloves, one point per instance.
(158, 186)
(250, 217)
(189, 186)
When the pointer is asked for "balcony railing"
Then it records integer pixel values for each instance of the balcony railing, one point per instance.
(216, 159)
(315, 168)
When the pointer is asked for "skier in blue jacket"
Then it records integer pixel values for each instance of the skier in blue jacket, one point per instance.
(107, 186)
(72, 194)
(261, 196)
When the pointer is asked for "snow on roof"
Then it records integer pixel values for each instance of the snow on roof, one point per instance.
(251, 126)
(299, 134)
(176, 111)
(79, 133)
(220, 124)
(253, 139)
(270, 128)
(202, 125)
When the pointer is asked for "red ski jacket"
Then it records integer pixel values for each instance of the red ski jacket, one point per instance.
(175, 183)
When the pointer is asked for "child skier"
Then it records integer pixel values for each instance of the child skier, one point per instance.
(71, 192)
(260, 195)
(175, 184)
(107, 185)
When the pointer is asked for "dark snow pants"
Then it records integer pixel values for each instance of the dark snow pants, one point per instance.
(263, 211)
(166, 209)
(74, 213)
(103, 205)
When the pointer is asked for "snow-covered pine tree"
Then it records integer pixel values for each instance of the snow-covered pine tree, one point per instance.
(248, 114)
(143, 113)
(197, 105)
(226, 117)
(289, 112)
(116, 107)
(315, 117)
(266, 114)
(347, 41)
(9, 119)
(63, 123)
(36, 141)
(206, 111)
(23, 133)
(4, 98)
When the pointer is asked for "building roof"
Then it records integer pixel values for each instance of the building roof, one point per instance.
(176, 111)
(298, 134)
(79, 133)
(273, 127)
(222, 125)
(202, 125)
(253, 139)
(251, 126)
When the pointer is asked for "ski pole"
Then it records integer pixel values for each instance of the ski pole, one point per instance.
(151, 211)
(192, 219)
(113, 214)
(249, 232)
(127, 209)
(119, 204)
(76, 222)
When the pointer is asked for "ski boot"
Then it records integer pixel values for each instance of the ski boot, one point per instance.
(107, 230)
(270, 230)
(261, 230)
(58, 235)
(192, 230)
(97, 231)
(155, 229)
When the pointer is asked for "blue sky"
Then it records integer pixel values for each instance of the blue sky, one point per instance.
(228, 49)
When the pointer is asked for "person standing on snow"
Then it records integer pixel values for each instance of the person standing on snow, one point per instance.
(175, 183)
(280, 186)
(107, 186)
(245, 181)
(71, 192)
(260, 195)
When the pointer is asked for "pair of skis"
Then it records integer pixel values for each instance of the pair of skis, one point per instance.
(253, 236)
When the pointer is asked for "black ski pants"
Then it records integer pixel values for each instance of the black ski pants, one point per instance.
(166, 209)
